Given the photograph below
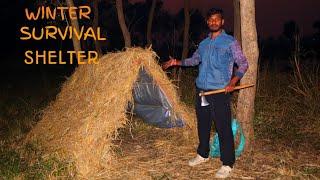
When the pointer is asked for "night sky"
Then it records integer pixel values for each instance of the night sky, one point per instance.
(271, 15)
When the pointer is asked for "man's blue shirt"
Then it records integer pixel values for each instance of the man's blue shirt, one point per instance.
(216, 58)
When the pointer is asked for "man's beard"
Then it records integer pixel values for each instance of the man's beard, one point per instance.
(215, 29)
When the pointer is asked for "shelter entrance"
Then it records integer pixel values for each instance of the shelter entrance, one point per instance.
(152, 105)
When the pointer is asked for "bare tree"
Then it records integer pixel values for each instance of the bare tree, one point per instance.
(185, 49)
(74, 24)
(122, 22)
(96, 25)
(245, 105)
(186, 30)
(150, 19)
(236, 20)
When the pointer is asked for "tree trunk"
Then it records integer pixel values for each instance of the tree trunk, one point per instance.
(185, 47)
(237, 20)
(186, 30)
(74, 24)
(96, 25)
(122, 22)
(150, 19)
(245, 104)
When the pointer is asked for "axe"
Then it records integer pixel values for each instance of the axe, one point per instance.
(204, 102)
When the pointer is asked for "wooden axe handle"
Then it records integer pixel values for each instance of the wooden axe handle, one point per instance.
(223, 90)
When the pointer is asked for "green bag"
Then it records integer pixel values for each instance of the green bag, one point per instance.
(214, 145)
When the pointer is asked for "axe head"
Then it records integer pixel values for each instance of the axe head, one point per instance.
(204, 101)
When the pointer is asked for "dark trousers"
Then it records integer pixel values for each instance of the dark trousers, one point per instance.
(219, 111)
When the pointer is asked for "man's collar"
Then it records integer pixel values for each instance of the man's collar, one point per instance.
(222, 32)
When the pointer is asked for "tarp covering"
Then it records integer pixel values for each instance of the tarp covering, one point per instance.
(151, 104)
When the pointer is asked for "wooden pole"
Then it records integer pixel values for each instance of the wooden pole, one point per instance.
(223, 90)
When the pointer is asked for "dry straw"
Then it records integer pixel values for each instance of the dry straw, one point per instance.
(92, 105)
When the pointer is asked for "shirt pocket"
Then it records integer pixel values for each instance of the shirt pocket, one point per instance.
(223, 62)
(223, 55)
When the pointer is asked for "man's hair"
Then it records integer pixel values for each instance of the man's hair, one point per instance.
(214, 11)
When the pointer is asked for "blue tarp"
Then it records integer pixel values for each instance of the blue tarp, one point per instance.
(151, 104)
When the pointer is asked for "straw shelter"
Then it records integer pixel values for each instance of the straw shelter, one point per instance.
(93, 104)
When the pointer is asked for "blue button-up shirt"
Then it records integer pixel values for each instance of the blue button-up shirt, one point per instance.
(216, 58)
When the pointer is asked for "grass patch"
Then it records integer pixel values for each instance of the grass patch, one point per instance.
(287, 106)
(28, 162)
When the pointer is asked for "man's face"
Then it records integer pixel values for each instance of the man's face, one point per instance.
(215, 23)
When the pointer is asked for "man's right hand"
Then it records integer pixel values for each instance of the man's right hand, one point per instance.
(171, 62)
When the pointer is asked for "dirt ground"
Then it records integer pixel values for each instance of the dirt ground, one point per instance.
(146, 152)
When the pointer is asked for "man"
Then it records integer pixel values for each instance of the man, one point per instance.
(216, 56)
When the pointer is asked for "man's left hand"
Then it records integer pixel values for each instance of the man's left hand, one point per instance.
(230, 87)
(232, 84)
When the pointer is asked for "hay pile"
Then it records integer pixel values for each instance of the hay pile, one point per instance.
(83, 120)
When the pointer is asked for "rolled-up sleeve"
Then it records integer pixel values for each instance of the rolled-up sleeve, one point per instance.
(193, 60)
(239, 59)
